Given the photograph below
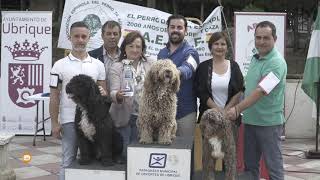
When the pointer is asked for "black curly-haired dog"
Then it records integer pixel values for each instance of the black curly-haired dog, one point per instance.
(96, 135)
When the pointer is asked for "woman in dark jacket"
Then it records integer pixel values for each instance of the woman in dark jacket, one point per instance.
(218, 82)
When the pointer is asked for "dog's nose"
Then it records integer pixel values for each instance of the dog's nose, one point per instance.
(168, 73)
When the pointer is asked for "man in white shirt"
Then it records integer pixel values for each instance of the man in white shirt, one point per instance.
(62, 108)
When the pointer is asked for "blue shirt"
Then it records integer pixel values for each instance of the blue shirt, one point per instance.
(186, 58)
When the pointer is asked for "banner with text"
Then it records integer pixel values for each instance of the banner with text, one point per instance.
(245, 24)
(150, 22)
(26, 58)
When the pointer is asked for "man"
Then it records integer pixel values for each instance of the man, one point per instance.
(263, 105)
(61, 107)
(186, 59)
(109, 52)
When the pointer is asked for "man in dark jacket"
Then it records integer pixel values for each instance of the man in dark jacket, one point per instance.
(109, 52)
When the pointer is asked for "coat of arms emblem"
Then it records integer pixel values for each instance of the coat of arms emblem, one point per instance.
(25, 79)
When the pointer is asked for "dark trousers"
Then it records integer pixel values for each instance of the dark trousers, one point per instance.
(129, 133)
(263, 140)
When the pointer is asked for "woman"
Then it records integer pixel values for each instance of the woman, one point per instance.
(218, 81)
(124, 109)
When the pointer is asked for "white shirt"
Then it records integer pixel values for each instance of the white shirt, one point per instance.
(219, 87)
(108, 61)
(68, 67)
(107, 57)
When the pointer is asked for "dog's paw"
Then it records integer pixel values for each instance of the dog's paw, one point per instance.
(145, 141)
(218, 155)
(84, 161)
(209, 176)
(107, 163)
(165, 142)
(173, 137)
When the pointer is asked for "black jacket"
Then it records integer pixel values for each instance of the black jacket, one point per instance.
(97, 53)
(202, 83)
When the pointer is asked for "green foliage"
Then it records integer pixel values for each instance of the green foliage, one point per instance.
(230, 41)
(252, 8)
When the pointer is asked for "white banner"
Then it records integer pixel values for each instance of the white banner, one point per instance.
(26, 58)
(150, 22)
(245, 23)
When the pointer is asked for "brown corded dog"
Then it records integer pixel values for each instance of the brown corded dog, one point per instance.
(218, 143)
(157, 111)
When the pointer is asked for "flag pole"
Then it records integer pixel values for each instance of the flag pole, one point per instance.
(315, 154)
(318, 104)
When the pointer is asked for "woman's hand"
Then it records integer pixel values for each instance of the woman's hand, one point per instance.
(120, 96)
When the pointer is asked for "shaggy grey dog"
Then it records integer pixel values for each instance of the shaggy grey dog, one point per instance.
(94, 127)
(218, 143)
(157, 111)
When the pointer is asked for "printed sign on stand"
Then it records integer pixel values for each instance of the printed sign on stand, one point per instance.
(158, 163)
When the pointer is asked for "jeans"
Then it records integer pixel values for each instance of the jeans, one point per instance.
(186, 125)
(129, 133)
(263, 141)
(69, 147)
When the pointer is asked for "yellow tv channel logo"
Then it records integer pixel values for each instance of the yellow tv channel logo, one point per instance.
(26, 157)
(208, 36)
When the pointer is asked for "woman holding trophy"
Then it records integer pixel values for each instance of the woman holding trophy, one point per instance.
(126, 84)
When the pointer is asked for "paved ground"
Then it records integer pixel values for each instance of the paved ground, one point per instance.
(46, 158)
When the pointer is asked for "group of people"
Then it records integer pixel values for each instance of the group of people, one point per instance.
(217, 82)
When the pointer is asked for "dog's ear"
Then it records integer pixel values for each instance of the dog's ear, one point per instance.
(227, 125)
(148, 82)
(108, 100)
(176, 84)
(202, 125)
(204, 122)
(93, 92)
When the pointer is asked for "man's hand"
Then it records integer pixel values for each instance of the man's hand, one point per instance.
(56, 131)
(102, 91)
(54, 110)
(219, 109)
(232, 113)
